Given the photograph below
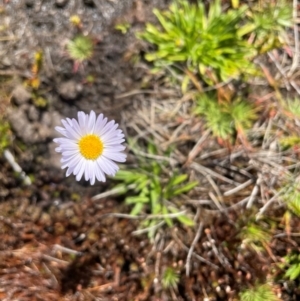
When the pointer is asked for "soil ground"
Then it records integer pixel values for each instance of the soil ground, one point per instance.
(56, 241)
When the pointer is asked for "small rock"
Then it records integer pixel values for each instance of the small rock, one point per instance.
(33, 113)
(43, 132)
(56, 121)
(61, 3)
(46, 119)
(21, 126)
(20, 95)
(6, 62)
(54, 157)
(69, 90)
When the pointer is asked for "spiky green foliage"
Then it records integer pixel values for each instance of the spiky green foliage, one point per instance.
(292, 106)
(4, 135)
(291, 195)
(225, 119)
(152, 188)
(293, 263)
(202, 41)
(170, 278)
(269, 19)
(256, 236)
(80, 48)
(288, 142)
(259, 293)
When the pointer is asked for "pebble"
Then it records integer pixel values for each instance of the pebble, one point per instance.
(33, 113)
(70, 90)
(20, 95)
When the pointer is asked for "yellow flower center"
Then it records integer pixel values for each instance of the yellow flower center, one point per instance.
(90, 147)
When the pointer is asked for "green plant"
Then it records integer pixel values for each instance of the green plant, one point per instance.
(293, 262)
(123, 27)
(81, 48)
(170, 278)
(153, 188)
(4, 135)
(259, 293)
(210, 44)
(292, 108)
(291, 196)
(215, 45)
(224, 119)
(256, 236)
(290, 141)
(269, 20)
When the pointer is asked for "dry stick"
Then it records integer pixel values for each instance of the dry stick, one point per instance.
(54, 279)
(215, 200)
(191, 250)
(295, 86)
(175, 133)
(266, 205)
(57, 247)
(254, 191)
(111, 192)
(152, 113)
(286, 234)
(216, 189)
(260, 176)
(295, 63)
(200, 168)
(281, 71)
(50, 258)
(156, 157)
(176, 238)
(238, 188)
(16, 167)
(214, 153)
(195, 150)
(146, 216)
(135, 92)
(145, 230)
(223, 260)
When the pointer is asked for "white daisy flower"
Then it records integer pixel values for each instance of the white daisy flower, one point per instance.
(90, 146)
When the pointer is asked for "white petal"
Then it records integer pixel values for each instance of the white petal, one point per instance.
(81, 121)
(118, 157)
(93, 167)
(70, 170)
(69, 121)
(114, 146)
(77, 127)
(110, 126)
(110, 133)
(87, 171)
(63, 141)
(70, 161)
(70, 152)
(69, 146)
(61, 130)
(99, 174)
(79, 170)
(100, 123)
(108, 166)
(91, 122)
